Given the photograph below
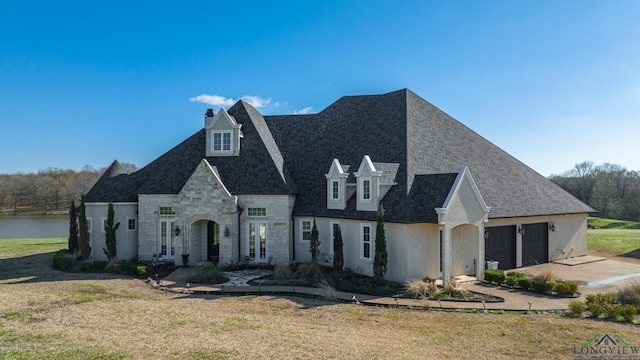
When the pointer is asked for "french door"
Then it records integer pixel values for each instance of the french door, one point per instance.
(167, 239)
(257, 241)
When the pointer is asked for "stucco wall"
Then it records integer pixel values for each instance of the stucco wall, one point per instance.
(568, 240)
(412, 249)
(126, 241)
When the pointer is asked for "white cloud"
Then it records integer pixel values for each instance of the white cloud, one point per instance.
(256, 101)
(218, 100)
(213, 100)
(303, 111)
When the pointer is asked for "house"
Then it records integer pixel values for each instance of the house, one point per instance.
(248, 188)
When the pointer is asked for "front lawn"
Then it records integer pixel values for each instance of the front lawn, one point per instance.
(13, 248)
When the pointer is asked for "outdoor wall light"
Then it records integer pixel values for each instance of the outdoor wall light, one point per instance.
(177, 231)
(521, 230)
(552, 226)
(226, 231)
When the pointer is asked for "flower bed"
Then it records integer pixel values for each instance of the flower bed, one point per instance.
(543, 283)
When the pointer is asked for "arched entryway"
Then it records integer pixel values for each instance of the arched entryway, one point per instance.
(202, 238)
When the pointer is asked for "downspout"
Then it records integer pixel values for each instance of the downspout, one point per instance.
(293, 228)
(240, 210)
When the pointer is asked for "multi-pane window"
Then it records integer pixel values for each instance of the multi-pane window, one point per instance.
(366, 189)
(166, 210)
(131, 224)
(335, 190)
(89, 225)
(257, 212)
(335, 227)
(306, 230)
(366, 241)
(221, 141)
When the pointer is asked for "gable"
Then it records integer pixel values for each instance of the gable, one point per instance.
(464, 203)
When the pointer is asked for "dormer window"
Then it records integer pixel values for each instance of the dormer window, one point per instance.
(221, 141)
(366, 190)
(223, 134)
(337, 193)
(335, 190)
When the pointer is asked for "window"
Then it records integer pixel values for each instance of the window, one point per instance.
(366, 189)
(221, 141)
(335, 190)
(89, 225)
(365, 238)
(131, 224)
(335, 226)
(166, 211)
(104, 225)
(305, 229)
(257, 212)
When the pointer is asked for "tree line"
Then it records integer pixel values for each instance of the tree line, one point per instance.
(48, 191)
(611, 189)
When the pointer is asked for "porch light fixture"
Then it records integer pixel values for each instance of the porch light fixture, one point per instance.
(521, 230)
(552, 226)
(177, 231)
(226, 231)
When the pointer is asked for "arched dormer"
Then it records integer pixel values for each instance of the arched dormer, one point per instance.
(337, 185)
(223, 134)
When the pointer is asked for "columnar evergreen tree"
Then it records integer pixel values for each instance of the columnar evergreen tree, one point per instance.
(110, 234)
(314, 243)
(380, 257)
(338, 255)
(85, 248)
(73, 229)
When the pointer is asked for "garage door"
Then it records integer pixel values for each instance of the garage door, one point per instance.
(535, 244)
(500, 246)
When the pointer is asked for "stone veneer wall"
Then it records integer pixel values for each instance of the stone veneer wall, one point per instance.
(279, 224)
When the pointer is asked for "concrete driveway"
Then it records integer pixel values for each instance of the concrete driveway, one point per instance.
(593, 274)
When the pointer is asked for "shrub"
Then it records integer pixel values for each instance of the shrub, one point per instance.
(563, 287)
(494, 276)
(63, 260)
(421, 288)
(577, 308)
(628, 313)
(597, 303)
(511, 281)
(541, 286)
(141, 270)
(630, 294)
(524, 283)
(517, 275)
(91, 266)
(544, 276)
(613, 311)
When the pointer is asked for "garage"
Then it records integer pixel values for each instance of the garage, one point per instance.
(500, 246)
(535, 244)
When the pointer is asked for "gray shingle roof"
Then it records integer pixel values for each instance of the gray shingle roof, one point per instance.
(411, 141)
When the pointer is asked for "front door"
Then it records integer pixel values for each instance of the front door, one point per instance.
(213, 242)
(257, 241)
(166, 242)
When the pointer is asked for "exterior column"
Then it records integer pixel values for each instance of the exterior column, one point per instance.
(446, 254)
(481, 261)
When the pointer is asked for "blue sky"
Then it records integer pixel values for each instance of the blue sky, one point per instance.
(553, 83)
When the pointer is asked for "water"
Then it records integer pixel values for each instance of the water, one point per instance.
(34, 226)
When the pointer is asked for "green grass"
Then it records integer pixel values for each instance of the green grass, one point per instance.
(600, 223)
(12, 248)
(614, 237)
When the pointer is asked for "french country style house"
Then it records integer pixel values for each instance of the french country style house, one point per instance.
(247, 188)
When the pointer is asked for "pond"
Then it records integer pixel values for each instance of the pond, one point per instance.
(34, 226)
